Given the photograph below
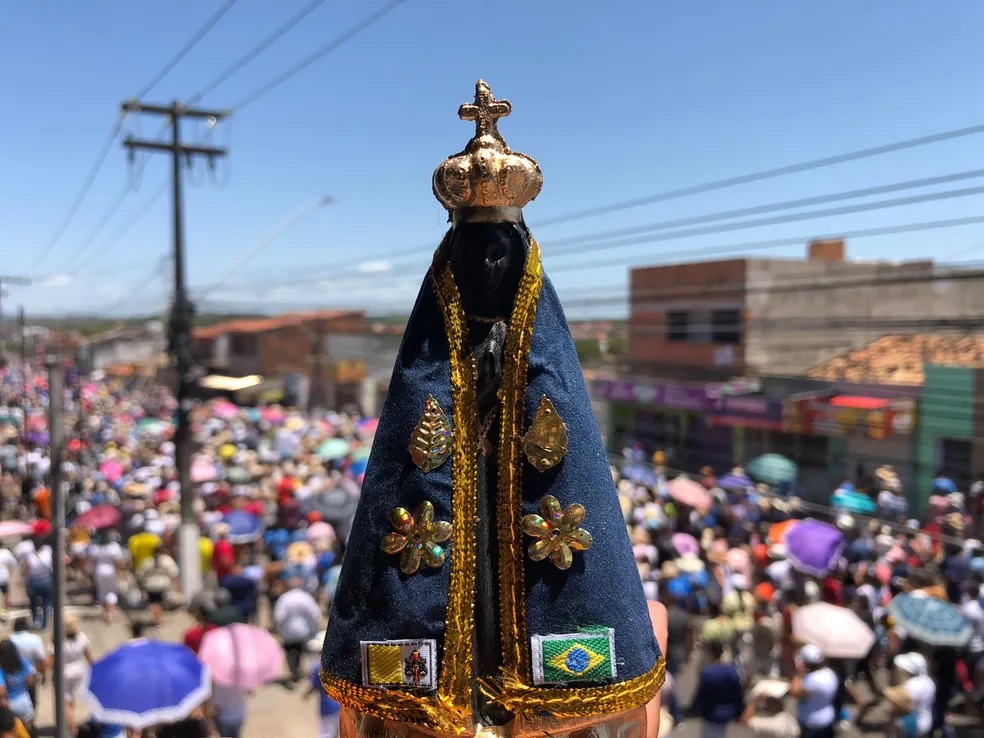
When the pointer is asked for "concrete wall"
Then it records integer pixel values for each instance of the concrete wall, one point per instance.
(798, 318)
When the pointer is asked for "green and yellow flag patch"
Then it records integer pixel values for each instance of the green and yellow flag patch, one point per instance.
(575, 657)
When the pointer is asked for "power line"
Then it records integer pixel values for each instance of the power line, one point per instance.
(86, 186)
(207, 26)
(772, 207)
(806, 166)
(90, 239)
(253, 53)
(331, 46)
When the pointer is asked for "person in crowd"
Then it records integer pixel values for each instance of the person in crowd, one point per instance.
(31, 648)
(12, 726)
(719, 697)
(243, 590)
(106, 563)
(18, 676)
(77, 657)
(37, 571)
(815, 689)
(765, 714)
(913, 672)
(8, 565)
(157, 576)
(296, 618)
(328, 709)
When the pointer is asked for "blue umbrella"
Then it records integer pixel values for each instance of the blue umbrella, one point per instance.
(735, 481)
(853, 502)
(243, 527)
(144, 683)
(773, 469)
(930, 620)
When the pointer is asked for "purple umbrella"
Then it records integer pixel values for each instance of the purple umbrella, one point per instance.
(813, 546)
(735, 481)
(685, 544)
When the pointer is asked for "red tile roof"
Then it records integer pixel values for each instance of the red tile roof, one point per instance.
(261, 325)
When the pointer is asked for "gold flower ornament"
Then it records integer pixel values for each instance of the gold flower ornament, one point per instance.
(556, 532)
(418, 537)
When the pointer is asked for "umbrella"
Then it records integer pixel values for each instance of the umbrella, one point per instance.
(639, 474)
(224, 410)
(14, 528)
(334, 448)
(773, 469)
(813, 546)
(930, 620)
(321, 531)
(99, 517)
(243, 527)
(202, 470)
(689, 564)
(854, 502)
(242, 656)
(237, 475)
(836, 631)
(685, 544)
(779, 531)
(144, 683)
(736, 481)
(274, 414)
(111, 470)
(688, 492)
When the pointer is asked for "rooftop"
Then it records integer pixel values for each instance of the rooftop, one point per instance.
(901, 359)
(261, 325)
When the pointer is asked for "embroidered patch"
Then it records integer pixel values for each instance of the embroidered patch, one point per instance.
(576, 657)
(407, 663)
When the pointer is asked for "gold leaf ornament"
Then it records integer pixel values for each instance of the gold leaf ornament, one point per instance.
(430, 444)
(545, 443)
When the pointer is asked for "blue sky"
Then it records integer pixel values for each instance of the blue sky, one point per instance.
(616, 100)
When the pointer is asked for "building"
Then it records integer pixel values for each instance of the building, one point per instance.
(140, 346)
(285, 347)
(757, 328)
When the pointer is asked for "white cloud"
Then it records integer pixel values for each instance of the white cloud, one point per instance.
(57, 280)
(380, 266)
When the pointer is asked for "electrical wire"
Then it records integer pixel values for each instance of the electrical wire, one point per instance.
(207, 26)
(806, 166)
(320, 53)
(100, 225)
(253, 53)
(90, 178)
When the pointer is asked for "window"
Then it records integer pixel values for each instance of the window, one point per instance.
(726, 326)
(677, 325)
(244, 344)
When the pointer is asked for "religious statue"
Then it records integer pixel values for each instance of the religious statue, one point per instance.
(488, 584)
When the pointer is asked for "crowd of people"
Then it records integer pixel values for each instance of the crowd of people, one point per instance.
(743, 590)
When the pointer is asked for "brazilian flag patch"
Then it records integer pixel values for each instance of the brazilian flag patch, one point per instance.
(575, 657)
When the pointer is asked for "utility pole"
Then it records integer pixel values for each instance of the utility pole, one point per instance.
(9, 280)
(56, 432)
(181, 322)
(22, 332)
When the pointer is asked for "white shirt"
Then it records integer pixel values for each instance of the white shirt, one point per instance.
(922, 690)
(7, 564)
(782, 725)
(73, 652)
(229, 703)
(296, 615)
(23, 549)
(38, 563)
(104, 558)
(974, 613)
(816, 709)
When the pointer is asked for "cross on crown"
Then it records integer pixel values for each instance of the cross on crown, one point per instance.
(485, 111)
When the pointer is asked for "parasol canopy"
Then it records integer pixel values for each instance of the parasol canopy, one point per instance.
(813, 546)
(853, 501)
(837, 631)
(685, 544)
(100, 517)
(930, 620)
(688, 492)
(773, 469)
(242, 656)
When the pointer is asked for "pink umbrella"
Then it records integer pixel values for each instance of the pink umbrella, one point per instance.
(242, 656)
(321, 531)
(737, 560)
(274, 414)
(688, 492)
(112, 470)
(12, 528)
(685, 544)
(99, 517)
(202, 471)
(224, 410)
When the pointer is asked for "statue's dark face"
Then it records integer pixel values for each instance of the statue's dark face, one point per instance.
(487, 260)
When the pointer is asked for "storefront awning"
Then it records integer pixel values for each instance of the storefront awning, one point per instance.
(230, 384)
(858, 402)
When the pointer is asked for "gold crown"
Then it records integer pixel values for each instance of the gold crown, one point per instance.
(487, 174)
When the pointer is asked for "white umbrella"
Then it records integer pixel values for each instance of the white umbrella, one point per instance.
(836, 631)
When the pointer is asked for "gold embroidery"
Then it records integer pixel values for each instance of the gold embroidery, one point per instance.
(430, 443)
(556, 532)
(545, 442)
(454, 687)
